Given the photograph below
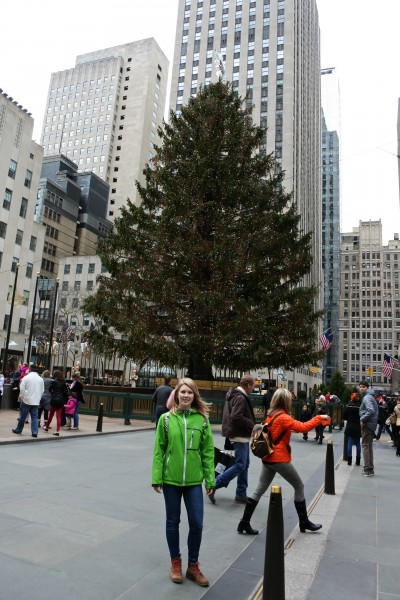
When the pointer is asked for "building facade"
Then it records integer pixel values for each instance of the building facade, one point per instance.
(269, 50)
(331, 214)
(369, 303)
(21, 238)
(103, 114)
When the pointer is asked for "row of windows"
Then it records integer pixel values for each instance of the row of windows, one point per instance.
(79, 268)
(77, 286)
(84, 84)
(21, 325)
(7, 203)
(12, 170)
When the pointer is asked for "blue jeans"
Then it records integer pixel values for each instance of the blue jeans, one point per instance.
(76, 415)
(353, 440)
(193, 498)
(240, 470)
(24, 411)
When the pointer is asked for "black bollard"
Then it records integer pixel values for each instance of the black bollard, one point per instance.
(329, 469)
(345, 440)
(100, 419)
(274, 565)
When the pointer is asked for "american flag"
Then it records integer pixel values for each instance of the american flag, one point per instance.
(326, 340)
(69, 332)
(387, 366)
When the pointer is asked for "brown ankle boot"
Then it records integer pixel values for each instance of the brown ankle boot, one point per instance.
(193, 572)
(176, 570)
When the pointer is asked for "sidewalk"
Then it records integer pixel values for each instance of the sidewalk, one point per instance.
(87, 427)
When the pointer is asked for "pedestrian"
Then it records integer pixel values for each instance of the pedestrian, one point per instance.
(160, 398)
(320, 409)
(266, 401)
(396, 427)
(70, 407)
(183, 459)
(59, 397)
(383, 413)
(237, 424)
(368, 422)
(44, 406)
(280, 460)
(77, 387)
(1, 386)
(31, 390)
(305, 416)
(15, 387)
(351, 415)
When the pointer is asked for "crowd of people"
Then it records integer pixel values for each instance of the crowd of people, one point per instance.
(37, 395)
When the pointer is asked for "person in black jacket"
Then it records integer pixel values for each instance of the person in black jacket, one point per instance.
(237, 424)
(160, 398)
(59, 397)
(351, 414)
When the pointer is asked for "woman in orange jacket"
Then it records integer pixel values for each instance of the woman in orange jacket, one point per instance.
(280, 460)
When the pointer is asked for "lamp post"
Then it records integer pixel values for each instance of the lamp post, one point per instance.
(28, 356)
(48, 364)
(10, 320)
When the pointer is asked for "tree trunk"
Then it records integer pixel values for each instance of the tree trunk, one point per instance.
(198, 369)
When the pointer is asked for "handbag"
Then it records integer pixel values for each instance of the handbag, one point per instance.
(222, 461)
(262, 444)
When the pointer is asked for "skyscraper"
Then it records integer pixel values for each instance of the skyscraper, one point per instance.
(331, 213)
(369, 303)
(103, 114)
(269, 50)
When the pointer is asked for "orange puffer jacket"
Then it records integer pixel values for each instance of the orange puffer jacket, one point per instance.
(286, 422)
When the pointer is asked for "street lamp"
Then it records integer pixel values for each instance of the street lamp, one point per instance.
(28, 357)
(10, 320)
(52, 323)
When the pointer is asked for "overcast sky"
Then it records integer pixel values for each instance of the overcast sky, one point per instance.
(358, 37)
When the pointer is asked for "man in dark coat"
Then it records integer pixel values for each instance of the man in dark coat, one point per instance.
(237, 424)
(161, 396)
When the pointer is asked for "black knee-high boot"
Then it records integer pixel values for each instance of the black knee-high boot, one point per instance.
(304, 522)
(244, 525)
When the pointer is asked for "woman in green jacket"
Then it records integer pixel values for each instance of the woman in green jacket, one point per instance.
(183, 459)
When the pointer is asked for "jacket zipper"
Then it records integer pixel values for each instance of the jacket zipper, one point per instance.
(191, 439)
(184, 456)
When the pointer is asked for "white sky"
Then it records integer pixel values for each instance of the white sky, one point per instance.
(358, 37)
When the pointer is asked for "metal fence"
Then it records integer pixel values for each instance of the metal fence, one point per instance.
(140, 406)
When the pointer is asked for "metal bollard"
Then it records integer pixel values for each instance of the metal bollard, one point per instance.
(329, 469)
(274, 564)
(345, 440)
(100, 418)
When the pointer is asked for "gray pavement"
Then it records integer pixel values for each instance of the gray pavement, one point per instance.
(78, 518)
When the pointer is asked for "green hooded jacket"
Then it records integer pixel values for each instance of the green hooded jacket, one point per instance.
(185, 454)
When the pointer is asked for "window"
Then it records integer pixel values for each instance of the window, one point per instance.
(67, 270)
(91, 267)
(21, 326)
(28, 178)
(7, 199)
(77, 285)
(12, 168)
(78, 269)
(75, 302)
(18, 237)
(89, 285)
(5, 322)
(23, 208)
(29, 270)
(33, 242)
(64, 286)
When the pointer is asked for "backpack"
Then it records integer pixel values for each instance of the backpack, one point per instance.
(262, 444)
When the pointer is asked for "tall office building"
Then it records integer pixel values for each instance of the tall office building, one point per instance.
(21, 238)
(103, 114)
(269, 50)
(369, 303)
(330, 97)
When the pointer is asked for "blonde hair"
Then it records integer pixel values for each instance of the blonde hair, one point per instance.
(321, 400)
(202, 407)
(281, 400)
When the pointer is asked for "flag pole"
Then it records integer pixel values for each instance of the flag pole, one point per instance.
(48, 365)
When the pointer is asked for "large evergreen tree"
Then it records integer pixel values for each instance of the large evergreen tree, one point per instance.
(208, 270)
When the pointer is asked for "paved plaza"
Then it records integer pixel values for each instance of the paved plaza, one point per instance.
(79, 519)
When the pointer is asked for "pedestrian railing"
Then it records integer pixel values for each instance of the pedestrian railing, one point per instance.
(140, 406)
